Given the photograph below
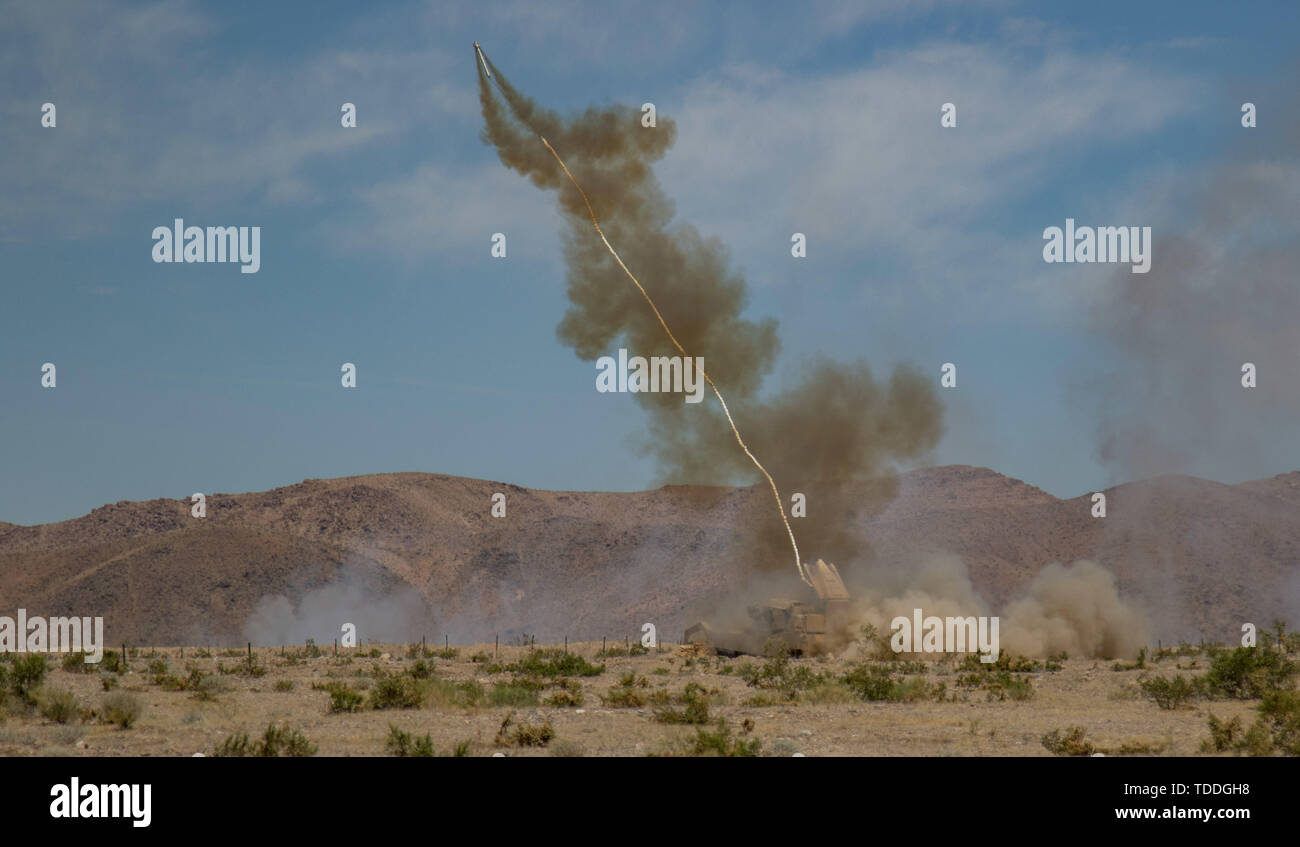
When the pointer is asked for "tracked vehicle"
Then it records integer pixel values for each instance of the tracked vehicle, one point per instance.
(806, 625)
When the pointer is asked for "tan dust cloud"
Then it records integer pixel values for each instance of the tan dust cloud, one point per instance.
(1072, 608)
(1076, 609)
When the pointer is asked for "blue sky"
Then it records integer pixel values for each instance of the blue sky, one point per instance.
(924, 244)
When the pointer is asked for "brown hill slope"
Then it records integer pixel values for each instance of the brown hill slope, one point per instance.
(1200, 556)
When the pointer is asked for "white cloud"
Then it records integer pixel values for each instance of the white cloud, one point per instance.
(140, 122)
(441, 209)
(858, 161)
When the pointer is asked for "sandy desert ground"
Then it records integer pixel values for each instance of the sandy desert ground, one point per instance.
(191, 700)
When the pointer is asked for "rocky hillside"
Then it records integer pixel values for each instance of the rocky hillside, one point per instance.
(405, 555)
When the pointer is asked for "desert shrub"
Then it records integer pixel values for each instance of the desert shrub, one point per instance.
(831, 691)
(1247, 673)
(343, 698)
(1011, 687)
(524, 735)
(421, 670)
(112, 662)
(122, 709)
(1056, 661)
(480, 658)
(721, 741)
(76, 663)
(277, 741)
(1132, 666)
(444, 693)
(1006, 662)
(448, 653)
(397, 692)
(1256, 741)
(779, 673)
(628, 694)
(1138, 747)
(234, 745)
(554, 662)
(695, 712)
(533, 735)
(877, 683)
(202, 686)
(567, 694)
(695, 702)
(283, 685)
(999, 684)
(1231, 736)
(1223, 735)
(26, 675)
(870, 682)
(873, 644)
(404, 745)
(1169, 693)
(58, 704)
(519, 692)
(1070, 743)
(1281, 711)
(248, 667)
(282, 741)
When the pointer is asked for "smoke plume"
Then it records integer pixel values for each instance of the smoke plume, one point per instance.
(835, 436)
(1072, 608)
(839, 424)
(384, 614)
(1221, 292)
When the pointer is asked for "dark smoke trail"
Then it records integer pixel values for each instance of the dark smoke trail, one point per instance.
(838, 427)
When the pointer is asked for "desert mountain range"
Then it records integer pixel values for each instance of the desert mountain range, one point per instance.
(1199, 557)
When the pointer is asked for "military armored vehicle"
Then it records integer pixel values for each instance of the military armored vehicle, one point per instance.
(806, 626)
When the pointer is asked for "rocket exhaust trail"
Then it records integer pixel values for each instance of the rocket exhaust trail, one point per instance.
(798, 562)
